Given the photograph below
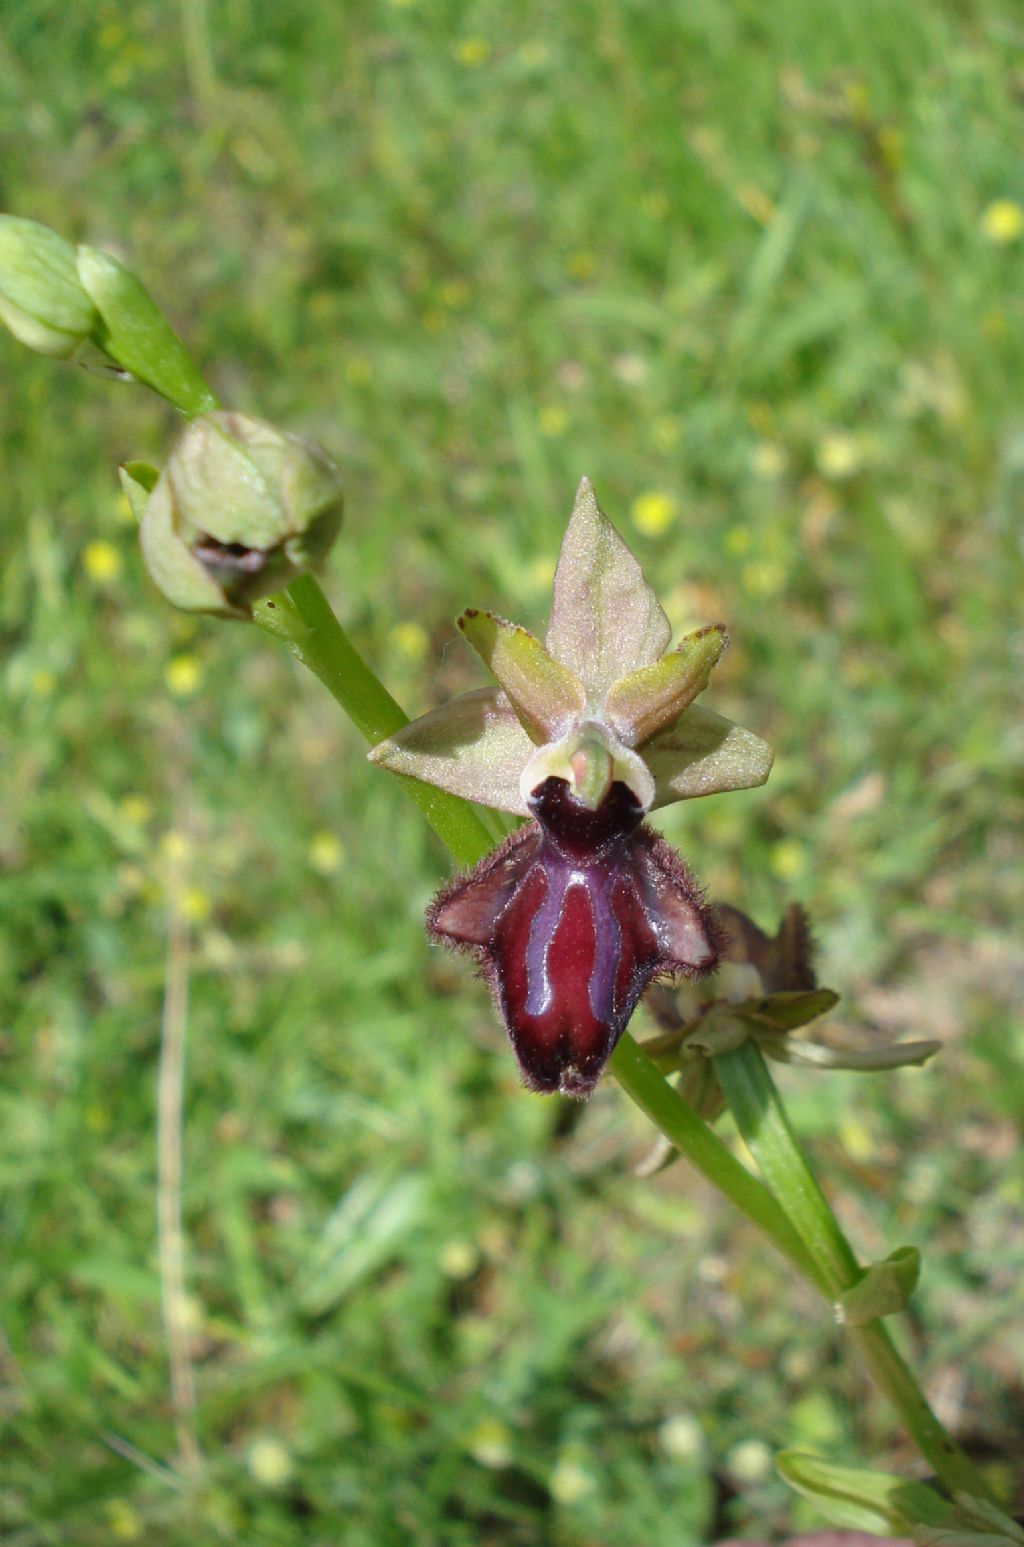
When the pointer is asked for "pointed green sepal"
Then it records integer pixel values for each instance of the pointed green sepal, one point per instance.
(862, 1500)
(704, 754)
(547, 696)
(652, 699)
(883, 1288)
(605, 620)
(138, 480)
(42, 299)
(134, 332)
(475, 747)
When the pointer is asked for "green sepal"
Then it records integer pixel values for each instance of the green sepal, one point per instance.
(862, 1500)
(883, 1288)
(134, 332)
(138, 480)
(605, 620)
(704, 754)
(474, 747)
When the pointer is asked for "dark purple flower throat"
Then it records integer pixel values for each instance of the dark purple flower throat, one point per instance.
(569, 920)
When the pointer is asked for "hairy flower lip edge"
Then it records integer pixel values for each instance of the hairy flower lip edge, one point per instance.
(660, 926)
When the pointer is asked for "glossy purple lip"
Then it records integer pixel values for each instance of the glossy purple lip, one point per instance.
(569, 921)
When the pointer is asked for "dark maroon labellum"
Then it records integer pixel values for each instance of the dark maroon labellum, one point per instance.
(570, 919)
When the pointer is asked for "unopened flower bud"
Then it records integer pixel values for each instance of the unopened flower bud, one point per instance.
(42, 299)
(239, 510)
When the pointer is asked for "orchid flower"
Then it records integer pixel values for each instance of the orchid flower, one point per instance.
(572, 916)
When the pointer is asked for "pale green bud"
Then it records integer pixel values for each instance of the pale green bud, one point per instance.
(42, 299)
(239, 510)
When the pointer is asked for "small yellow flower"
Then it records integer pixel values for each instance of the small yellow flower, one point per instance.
(490, 1443)
(409, 640)
(325, 853)
(750, 1461)
(1003, 222)
(788, 858)
(42, 682)
(540, 572)
(124, 1522)
(856, 1138)
(571, 1481)
(473, 51)
(839, 456)
(183, 674)
(195, 905)
(102, 562)
(269, 1463)
(653, 513)
(553, 419)
(434, 320)
(681, 1437)
(655, 204)
(135, 810)
(769, 459)
(459, 1259)
(174, 847)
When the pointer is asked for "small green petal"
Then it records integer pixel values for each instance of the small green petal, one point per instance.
(475, 747)
(605, 621)
(546, 696)
(138, 480)
(654, 697)
(897, 1055)
(703, 754)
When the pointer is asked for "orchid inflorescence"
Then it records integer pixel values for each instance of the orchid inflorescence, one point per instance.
(573, 915)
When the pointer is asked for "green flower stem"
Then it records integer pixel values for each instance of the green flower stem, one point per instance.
(762, 1122)
(301, 615)
(642, 1081)
(754, 1102)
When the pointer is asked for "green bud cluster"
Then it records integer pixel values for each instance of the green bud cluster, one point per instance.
(239, 510)
(42, 299)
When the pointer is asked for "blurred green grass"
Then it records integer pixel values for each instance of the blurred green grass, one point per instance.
(739, 265)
